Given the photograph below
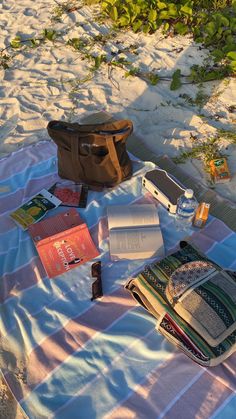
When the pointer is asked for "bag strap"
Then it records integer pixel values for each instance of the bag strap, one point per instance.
(112, 153)
(114, 158)
(76, 163)
(125, 125)
(75, 156)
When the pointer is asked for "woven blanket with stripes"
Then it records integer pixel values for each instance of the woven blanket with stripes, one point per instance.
(66, 356)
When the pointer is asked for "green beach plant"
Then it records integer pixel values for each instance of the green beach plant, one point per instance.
(4, 61)
(64, 8)
(216, 30)
(212, 23)
(208, 149)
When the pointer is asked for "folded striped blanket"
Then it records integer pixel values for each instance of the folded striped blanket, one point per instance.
(194, 301)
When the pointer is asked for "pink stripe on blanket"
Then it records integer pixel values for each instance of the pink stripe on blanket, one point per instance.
(25, 277)
(159, 389)
(216, 230)
(27, 157)
(55, 349)
(226, 372)
(13, 201)
(99, 232)
(203, 242)
(201, 400)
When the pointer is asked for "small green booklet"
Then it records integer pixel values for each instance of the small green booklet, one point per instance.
(35, 209)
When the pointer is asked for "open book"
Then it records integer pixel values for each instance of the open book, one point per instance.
(134, 232)
(63, 242)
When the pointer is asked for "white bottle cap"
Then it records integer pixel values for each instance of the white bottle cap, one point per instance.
(188, 193)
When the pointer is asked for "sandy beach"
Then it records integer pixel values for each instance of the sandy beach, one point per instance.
(53, 82)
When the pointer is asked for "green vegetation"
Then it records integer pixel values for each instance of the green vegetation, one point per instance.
(61, 9)
(204, 150)
(200, 99)
(213, 23)
(207, 150)
(5, 60)
(46, 35)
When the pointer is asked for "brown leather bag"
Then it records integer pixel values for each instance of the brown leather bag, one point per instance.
(93, 154)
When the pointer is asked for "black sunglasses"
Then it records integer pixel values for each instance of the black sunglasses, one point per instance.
(97, 284)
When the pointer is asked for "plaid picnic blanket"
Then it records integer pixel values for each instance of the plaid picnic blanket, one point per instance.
(63, 355)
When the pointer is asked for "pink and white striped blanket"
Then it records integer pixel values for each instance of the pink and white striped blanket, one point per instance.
(64, 356)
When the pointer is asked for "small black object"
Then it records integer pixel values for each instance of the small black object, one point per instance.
(97, 284)
(75, 261)
(83, 196)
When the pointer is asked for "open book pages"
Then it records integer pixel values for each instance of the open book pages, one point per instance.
(134, 232)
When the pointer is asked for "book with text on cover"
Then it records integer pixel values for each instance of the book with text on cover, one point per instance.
(134, 231)
(35, 209)
(63, 242)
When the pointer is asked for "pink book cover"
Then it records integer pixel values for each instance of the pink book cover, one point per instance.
(63, 242)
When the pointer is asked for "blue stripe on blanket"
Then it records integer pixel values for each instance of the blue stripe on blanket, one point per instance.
(96, 359)
(19, 180)
(227, 411)
(36, 316)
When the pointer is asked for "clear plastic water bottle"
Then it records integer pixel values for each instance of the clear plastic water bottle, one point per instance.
(186, 207)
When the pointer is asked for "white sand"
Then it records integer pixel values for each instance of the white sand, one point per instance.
(9, 409)
(43, 84)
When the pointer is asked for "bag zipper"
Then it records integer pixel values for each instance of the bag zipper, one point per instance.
(70, 129)
(120, 131)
